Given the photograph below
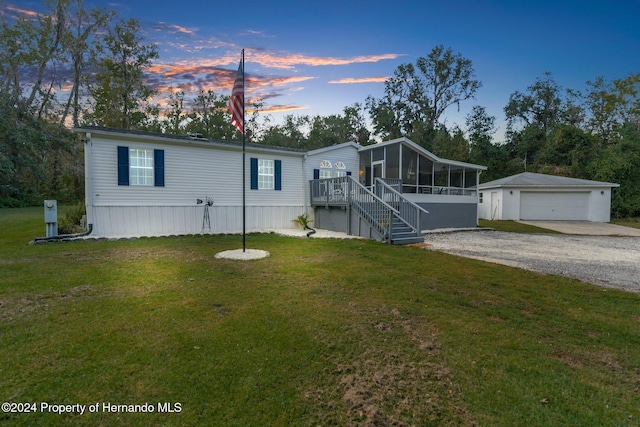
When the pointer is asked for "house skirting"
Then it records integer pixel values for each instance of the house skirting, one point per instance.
(449, 215)
(332, 218)
(133, 221)
(339, 218)
(441, 215)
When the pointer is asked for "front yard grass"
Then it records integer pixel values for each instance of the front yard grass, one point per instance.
(627, 222)
(323, 332)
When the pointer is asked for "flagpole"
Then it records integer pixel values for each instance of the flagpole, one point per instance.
(244, 167)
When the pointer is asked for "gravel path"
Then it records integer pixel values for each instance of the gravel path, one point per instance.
(612, 262)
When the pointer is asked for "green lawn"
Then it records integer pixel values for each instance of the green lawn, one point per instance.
(323, 332)
(627, 222)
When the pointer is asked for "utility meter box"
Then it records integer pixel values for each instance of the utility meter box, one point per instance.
(51, 217)
(50, 211)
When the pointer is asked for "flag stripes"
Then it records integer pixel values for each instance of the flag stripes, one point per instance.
(236, 103)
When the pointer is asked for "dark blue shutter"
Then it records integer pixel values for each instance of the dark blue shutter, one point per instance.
(254, 173)
(123, 165)
(316, 174)
(158, 168)
(278, 174)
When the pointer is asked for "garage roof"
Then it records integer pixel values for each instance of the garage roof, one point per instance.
(530, 179)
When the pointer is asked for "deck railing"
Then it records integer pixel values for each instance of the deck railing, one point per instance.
(346, 191)
(408, 212)
(438, 190)
(330, 191)
(371, 207)
(395, 183)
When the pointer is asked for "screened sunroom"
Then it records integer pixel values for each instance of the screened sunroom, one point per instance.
(418, 171)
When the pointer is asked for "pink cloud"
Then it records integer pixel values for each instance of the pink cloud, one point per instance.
(350, 80)
(289, 61)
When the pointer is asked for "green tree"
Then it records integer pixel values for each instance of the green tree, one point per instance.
(620, 163)
(539, 107)
(416, 97)
(210, 117)
(481, 127)
(542, 128)
(568, 151)
(355, 126)
(83, 26)
(15, 55)
(28, 49)
(292, 133)
(450, 144)
(119, 91)
(36, 158)
(610, 105)
(339, 128)
(176, 115)
(47, 47)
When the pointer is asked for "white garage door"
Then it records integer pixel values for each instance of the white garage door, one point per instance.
(554, 206)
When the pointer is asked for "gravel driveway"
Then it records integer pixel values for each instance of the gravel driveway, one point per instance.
(612, 262)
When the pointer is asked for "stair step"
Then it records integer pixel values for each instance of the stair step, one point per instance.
(403, 235)
(407, 240)
(405, 229)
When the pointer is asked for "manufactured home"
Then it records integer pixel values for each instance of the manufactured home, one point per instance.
(148, 184)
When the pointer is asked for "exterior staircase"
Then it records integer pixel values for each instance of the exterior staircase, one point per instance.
(404, 234)
(388, 214)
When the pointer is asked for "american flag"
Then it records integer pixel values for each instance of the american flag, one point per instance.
(236, 103)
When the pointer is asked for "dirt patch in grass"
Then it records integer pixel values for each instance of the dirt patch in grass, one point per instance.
(581, 359)
(409, 385)
(12, 308)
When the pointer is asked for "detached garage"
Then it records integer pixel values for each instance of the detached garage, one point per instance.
(534, 196)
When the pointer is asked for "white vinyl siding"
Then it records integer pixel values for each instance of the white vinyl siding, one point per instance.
(346, 153)
(191, 172)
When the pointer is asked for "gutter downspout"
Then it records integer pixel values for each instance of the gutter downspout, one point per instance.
(88, 178)
(478, 172)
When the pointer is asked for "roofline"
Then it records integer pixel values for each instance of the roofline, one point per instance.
(596, 184)
(183, 140)
(565, 182)
(424, 151)
(334, 147)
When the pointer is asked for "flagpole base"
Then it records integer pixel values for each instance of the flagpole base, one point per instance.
(242, 254)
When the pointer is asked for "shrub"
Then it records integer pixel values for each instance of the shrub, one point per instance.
(70, 224)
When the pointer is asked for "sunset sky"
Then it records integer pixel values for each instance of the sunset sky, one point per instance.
(318, 57)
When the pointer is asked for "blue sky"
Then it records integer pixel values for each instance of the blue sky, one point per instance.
(319, 57)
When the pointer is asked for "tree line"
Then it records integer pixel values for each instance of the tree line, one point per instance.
(101, 61)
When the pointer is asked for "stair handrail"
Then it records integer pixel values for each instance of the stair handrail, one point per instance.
(408, 211)
(393, 190)
(383, 213)
(346, 190)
